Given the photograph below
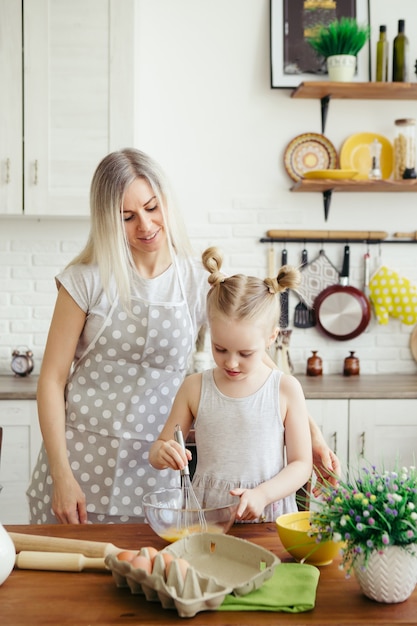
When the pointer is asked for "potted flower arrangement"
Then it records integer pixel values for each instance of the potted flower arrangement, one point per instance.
(375, 515)
(339, 42)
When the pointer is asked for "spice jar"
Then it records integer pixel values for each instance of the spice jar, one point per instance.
(351, 365)
(405, 149)
(314, 365)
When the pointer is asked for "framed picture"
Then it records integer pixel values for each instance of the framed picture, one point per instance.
(293, 60)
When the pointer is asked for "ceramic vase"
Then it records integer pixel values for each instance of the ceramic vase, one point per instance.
(390, 575)
(341, 67)
(7, 554)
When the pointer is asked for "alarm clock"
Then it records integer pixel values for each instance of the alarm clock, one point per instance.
(22, 362)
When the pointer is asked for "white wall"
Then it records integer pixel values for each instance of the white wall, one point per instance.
(205, 110)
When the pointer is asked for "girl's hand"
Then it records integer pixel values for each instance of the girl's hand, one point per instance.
(169, 454)
(252, 504)
(68, 502)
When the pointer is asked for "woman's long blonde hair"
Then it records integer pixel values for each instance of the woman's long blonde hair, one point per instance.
(107, 246)
(243, 297)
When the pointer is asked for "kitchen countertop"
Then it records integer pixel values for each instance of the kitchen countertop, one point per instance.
(91, 597)
(332, 386)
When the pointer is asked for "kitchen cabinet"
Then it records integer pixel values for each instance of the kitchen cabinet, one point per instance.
(383, 432)
(20, 449)
(325, 91)
(74, 92)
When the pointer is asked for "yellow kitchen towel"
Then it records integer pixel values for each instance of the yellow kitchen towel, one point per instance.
(392, 294)
(291, 589)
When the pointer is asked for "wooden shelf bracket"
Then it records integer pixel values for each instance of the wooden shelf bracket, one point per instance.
(324, 101)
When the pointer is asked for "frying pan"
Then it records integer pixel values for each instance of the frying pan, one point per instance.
(342, 312)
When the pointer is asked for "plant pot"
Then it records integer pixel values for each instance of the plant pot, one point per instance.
(341, 67)
(390, 575)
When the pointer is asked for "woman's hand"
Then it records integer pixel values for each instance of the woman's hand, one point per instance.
(252, 504)
(68, 502)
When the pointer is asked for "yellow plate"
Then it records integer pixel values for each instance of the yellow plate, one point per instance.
(331, 174)
(355, 154)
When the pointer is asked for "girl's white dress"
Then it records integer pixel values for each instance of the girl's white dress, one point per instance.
(240, 443)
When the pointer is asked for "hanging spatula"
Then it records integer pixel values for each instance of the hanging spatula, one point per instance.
(283, 321)
(304, 316)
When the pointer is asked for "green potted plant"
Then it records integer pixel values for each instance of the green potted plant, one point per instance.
(375, 515)
(339, 43)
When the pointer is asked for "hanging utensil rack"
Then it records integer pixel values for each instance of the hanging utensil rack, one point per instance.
(337, 236)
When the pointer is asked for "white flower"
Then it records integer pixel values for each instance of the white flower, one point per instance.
(337, 537)
(410, 506)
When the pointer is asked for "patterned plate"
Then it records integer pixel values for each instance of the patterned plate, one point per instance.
(310, 151)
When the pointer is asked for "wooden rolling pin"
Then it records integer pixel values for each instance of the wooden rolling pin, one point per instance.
(406, 235)
(58, 561)
(59, 544)
(360, 235)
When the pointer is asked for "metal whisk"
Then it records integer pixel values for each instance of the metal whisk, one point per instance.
(191, 515)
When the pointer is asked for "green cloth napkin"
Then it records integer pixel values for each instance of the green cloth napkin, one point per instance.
(291, 589)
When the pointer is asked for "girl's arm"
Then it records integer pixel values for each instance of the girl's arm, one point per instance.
(165, 451)
(68, 502)
(299, 455)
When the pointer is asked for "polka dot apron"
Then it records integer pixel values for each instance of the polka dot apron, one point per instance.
(117, 400)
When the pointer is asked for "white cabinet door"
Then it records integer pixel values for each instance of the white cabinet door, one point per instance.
(383, 432)
(20, 448)
(78, 97)
(332, 418)
(11, 136)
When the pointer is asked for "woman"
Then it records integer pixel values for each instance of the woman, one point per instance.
(127, 315)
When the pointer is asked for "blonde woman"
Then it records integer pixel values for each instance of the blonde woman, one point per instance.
(243, 411)
(128, 311)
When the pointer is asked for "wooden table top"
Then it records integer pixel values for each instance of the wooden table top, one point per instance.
(85, 598)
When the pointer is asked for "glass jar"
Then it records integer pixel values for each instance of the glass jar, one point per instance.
(405, 149)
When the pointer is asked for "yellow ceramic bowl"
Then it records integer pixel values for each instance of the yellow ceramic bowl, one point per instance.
(293, 531)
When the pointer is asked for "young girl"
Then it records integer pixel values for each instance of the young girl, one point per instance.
(244, 411)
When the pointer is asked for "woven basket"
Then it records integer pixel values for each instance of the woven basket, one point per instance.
(389, 576)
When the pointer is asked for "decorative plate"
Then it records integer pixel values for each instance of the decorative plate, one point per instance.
(355, 154)
(331, 174)
(309, 151)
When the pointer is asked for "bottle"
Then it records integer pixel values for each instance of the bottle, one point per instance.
(375, 150)
(405, 149)
(351, 365)
(400, 55)
(314, 365)
(382, 56)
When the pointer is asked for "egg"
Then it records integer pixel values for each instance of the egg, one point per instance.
(168, 558)
(142, 562)
(182, 564)
(127, 555)
(152, 552)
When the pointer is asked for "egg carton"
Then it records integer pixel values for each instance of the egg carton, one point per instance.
(218, 565)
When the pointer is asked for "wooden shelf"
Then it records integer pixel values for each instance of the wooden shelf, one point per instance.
(325, 91)
(356, 91)
(355, 185)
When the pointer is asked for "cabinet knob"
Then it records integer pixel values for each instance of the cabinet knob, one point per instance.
(7, 176)
(35, 172)
(362, 445)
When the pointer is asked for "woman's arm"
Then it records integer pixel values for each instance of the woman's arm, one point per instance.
(325, 461)
(299, 456)
(165, 451)
(68, 502)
